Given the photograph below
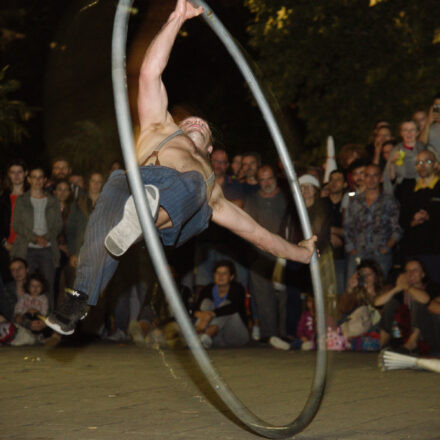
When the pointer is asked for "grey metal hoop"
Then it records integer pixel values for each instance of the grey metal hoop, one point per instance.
(155, 248)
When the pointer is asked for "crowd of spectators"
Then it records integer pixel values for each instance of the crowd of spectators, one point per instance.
(376, 219)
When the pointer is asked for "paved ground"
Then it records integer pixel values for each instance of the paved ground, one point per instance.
(121, 392)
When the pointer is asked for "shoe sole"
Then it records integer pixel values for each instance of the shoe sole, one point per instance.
(128, 230)
(279, 344)
(55, 326)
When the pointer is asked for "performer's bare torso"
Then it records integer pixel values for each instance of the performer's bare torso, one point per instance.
(180, 153)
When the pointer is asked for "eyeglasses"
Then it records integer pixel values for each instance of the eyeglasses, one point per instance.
(427, 161)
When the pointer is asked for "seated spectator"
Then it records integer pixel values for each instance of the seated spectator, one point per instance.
(364, 286)
(402, 161)
(412, 288)
(37, 222)
(420, 215)
(220, 310)
(434, 308)
(32, 303)
(371, 224)
(306, 331)
(13, 290)
(155, 326)
(359, 317)
(16, 185)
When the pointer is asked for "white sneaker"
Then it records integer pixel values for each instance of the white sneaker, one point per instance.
(307, 346)
(136, 334)
(23, 337)
(256, 335)
(205, 340)
(278, 343)
(128, 230)
(117, 336)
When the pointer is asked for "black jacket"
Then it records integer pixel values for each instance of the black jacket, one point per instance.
(424, 238)
(236, 296)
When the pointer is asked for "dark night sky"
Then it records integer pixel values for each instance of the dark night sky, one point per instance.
(200, 74)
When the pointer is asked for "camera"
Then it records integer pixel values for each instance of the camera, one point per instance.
(361, 279)
(436, 108)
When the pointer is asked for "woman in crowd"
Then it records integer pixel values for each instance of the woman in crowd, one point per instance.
(37, 222)
(402, 160)
(364, 286)
(15, 185)
(94, 188)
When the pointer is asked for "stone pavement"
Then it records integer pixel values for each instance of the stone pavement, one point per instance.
(117, 391)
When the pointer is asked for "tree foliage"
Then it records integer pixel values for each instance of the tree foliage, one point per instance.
(13, 113)
(344, 64)
(88, 147)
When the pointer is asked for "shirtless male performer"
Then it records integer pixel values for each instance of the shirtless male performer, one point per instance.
(179, 185)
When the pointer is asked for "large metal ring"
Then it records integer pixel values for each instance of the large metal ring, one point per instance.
(155, 248)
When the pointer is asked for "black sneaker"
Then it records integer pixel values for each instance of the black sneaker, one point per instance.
(73, 309)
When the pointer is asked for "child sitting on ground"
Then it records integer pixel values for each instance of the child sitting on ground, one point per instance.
(306, 326)
(31, 304)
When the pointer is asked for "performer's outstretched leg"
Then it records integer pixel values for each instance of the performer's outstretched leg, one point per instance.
(95, 265)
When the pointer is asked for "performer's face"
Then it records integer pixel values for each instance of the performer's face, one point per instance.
(198, 131)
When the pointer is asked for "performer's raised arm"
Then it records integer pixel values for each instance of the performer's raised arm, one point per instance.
(152, 98)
